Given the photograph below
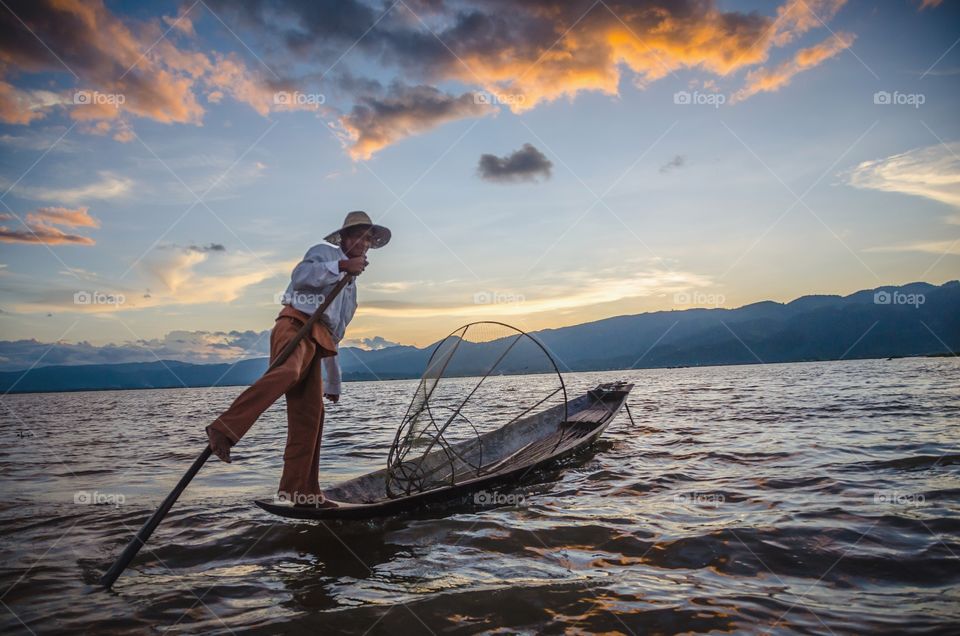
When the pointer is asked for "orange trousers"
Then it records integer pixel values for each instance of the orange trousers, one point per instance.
(298, 378)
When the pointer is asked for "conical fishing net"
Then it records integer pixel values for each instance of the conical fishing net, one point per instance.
(471, 387)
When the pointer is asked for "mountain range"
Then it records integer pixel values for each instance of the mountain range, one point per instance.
(891, 321)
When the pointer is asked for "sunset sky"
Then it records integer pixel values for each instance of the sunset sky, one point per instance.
(539, 163)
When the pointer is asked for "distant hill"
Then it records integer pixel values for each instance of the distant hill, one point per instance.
(861, 325)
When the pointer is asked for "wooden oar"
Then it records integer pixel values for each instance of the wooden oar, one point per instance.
(151, 524)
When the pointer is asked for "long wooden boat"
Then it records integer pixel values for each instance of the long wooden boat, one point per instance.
(510, 453)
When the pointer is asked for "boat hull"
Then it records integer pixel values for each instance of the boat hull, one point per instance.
(596, 409)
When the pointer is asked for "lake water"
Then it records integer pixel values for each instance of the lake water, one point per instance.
(793, 498)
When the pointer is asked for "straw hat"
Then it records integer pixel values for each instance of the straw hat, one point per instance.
(379, 235)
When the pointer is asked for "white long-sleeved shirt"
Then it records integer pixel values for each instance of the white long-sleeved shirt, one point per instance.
(313, 278)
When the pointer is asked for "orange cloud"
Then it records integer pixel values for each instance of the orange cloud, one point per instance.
(40, 226)
(521, 54)
(24, 106)
(796, 17)
(378, 122)
(123, 70)
(772, 79)
(537, 56)
(592, 56)
(72, 217)
(524, 67)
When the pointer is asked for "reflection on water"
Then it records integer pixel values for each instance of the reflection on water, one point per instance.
(785, 498)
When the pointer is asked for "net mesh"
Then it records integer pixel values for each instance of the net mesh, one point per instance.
(468, 389)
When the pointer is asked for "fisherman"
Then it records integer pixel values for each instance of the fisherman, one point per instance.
(344, 252)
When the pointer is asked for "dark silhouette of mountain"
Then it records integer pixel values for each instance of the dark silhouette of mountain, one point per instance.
(909, 320)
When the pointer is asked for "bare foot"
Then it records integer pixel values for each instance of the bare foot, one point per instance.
(220, 444)
(328, 503)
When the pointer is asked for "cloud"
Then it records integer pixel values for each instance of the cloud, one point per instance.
(559, 292)
(121, 69)
(179, 275)
(209, 247)
(796, 17)
(198, 347)
(678, 161)
(524, 53)
(940, 73)
(169, 276)
(376, 122)
(563, 291)
(521, 165)
(188, 275)
(78, 217)
(533, 52)
(772, 79)
(394, 287)
(40, 226)
(45, 140)
(926, 247)
(932, 172)
(110, 186)
(23, 106)
(181, 22)
(369, 344)
(529, 49)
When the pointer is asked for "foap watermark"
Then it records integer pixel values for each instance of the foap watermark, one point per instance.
(95, 498)
(298, 498)
(499, 99)
(699, 299)
(897, 498)
(496, 298)
(896, 98)
(898, 298)
(696, 98)
(495, 498)
(296, 98)
(96, 98)
(299, 298)
(84, 297)
(712, 499)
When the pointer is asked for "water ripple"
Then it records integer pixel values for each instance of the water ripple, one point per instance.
(800, 498)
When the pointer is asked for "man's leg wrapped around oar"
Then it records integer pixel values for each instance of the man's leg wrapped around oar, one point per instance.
(299, 378)
(322, 293)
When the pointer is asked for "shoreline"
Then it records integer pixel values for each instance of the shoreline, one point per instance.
(399, 379)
